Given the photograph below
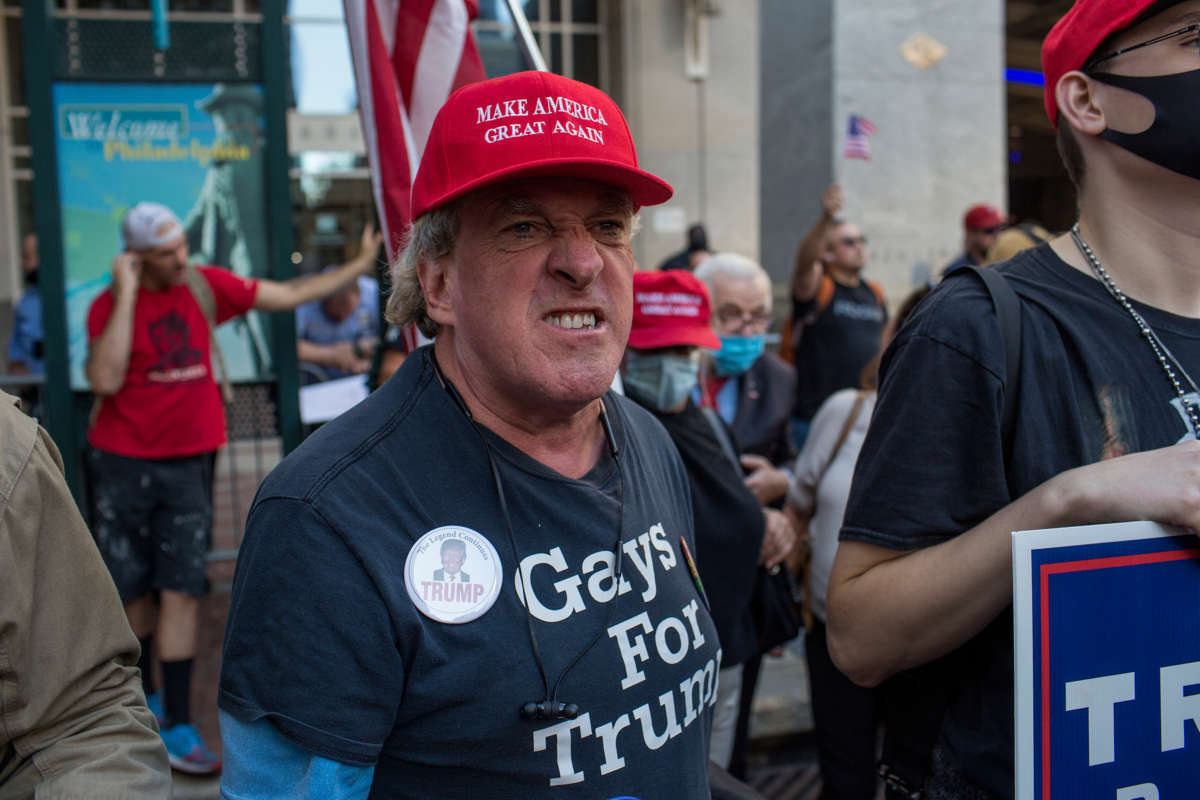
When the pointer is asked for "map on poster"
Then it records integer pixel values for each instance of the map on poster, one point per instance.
(196, 148)
(1107, 639)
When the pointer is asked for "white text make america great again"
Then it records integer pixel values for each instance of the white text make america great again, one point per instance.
(542, 106)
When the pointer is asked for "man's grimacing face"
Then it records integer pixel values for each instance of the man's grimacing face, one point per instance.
(539, 290)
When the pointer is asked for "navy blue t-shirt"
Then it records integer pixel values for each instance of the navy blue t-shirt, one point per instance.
(328, 640)
(933, 462)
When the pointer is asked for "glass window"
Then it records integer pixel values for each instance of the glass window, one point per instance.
(556, 10)
(555, 61)
(533, 10)
(20, 131)
(322, 73)
(16, 68)
(500, 51)
(586, 57)
(584, 11)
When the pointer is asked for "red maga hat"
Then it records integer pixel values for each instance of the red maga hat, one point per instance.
(670, 309)
(983, 216)
(1076, 36)
(525, 125)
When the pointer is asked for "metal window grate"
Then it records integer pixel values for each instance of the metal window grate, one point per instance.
(253, 450)
(121, 49)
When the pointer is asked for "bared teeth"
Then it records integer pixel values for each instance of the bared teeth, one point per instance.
(571, 321)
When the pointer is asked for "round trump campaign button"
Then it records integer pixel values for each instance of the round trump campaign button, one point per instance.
(453, 574)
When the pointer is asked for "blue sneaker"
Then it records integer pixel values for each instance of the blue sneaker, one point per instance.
(187, 752)
(155, 704)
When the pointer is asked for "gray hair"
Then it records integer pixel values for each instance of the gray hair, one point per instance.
(431, 237)
(734, 267)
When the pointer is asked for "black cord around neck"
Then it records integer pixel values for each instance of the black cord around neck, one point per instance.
(551, 707)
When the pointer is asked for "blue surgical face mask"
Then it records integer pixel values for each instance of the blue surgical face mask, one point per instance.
(659, 381)
(738, 353)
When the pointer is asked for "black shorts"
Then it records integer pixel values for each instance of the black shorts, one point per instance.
(152, 520)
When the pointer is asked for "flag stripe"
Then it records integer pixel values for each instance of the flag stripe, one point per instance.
(437, 66)
(411, 21)
(409, 55)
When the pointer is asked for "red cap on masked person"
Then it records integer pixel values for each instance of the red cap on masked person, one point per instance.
(671, 309)
(1075, 37)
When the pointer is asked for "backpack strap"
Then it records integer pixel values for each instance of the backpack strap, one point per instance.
(848, 425)
(877, 290)
(915, 700)
(1008, 313)
(793, 328)
(203, 294)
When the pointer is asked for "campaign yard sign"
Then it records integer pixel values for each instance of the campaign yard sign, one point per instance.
(1107, 640)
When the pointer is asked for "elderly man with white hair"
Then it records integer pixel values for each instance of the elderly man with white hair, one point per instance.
(753, 391)
(750, 388)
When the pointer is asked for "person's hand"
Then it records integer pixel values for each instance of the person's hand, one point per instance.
(345, 359)
(765, 482)
(831, 201)
(368, 248)
(126, 273)
(778, 540)
(1162, 485)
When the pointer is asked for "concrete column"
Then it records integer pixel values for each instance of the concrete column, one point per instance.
(698, 133)
(940, 138)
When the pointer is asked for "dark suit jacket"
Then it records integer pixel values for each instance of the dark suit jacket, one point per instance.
(440, 575)
(762, 422)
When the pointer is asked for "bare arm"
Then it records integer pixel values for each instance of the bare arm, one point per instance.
(890, 610)
(108, 353)
(286, 295)
(806, 277)
(338, 356)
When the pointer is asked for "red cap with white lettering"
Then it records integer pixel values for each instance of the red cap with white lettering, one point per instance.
(529, 124)
(670, 309)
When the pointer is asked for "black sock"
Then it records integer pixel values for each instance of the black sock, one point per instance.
(177, 687)
(145, 663)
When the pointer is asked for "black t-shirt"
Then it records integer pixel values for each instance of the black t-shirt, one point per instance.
(327, 636)
(729, 530)
(932, 465)
(834, 347)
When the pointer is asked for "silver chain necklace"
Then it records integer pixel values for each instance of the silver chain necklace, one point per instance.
(1165, 357)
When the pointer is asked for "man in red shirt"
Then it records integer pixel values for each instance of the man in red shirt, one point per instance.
(154, 438)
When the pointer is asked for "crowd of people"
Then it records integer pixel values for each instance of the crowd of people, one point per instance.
(530, 563)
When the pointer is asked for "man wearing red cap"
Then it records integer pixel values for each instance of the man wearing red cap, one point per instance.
(671, 323)
(1107, 408)
(579, 660)
(981, 225)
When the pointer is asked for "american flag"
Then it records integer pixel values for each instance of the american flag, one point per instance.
(857, 143)
(409, 55)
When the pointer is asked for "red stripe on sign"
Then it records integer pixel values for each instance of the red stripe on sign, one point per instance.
(1044, 581)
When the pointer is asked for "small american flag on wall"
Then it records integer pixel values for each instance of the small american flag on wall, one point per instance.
(857, 143)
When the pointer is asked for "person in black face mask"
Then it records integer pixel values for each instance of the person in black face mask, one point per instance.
(1108, 406)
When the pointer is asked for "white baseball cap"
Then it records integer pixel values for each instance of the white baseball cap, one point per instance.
(149, 225)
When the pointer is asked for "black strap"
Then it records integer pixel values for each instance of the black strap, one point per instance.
(1008, 313)
(915, 701)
